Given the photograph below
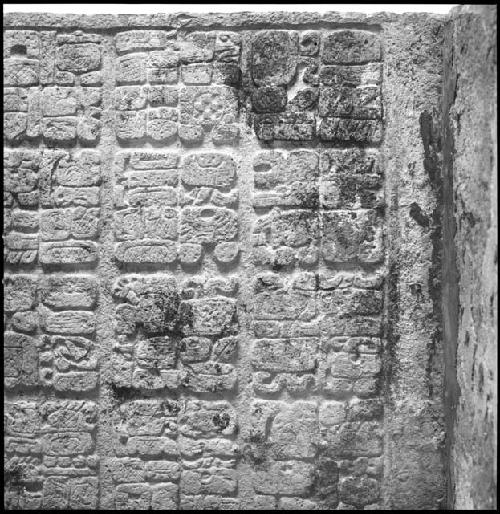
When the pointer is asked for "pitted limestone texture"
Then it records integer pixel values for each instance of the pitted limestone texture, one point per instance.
(471, 230)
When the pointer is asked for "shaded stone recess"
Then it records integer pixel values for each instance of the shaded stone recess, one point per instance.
(222, 251)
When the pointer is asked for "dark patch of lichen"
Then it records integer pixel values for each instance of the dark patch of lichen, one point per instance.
(467, 220)
(185, 381)
(159, 311)
(308, 200)
(186, 318)
(122, 394)
(324, 486)
(14, 477)
(416, 290)
(221, 421)
(171, 408)
(256, 438)
(256, 454)
(170, 302)
(431, 140)
(418, 215)
(352, 186)
(380, 209)
(431, 143)
(278, 267)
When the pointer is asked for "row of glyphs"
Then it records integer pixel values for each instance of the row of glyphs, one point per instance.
(171, 454)
(168, 87)
(328, 205)
(166, 210)
(314, 331)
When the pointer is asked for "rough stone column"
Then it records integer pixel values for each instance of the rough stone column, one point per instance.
(414, 433)
(470, 301)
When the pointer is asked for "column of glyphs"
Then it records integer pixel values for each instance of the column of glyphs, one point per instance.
(176, 232)
(52, 109)
(315, 438)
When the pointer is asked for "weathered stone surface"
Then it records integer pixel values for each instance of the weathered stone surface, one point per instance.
(76, 253)
(470, 245)
(274, 57)
(286, 127)
(416, 407)
(342, 130)
(291, 478)
(351, 236)
(350, 179)
(350, 47)
(269, 99)
(354, 76)
(225, 237)
(68, 291)
(207, 106)
(359, 103)
(208, 169)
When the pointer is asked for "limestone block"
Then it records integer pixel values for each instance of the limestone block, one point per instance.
(274, 57)
(350, 47)
(222, 242)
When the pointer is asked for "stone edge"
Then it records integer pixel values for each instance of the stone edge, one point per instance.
(243, 20)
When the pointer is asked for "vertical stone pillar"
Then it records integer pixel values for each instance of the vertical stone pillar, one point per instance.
(414, 432)
(470, 300)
